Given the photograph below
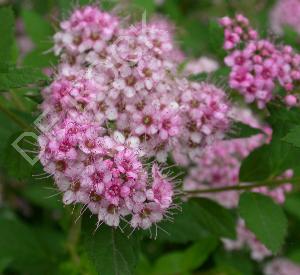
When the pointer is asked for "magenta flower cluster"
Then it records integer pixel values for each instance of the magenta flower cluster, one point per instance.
(258, 65)
(285, 13)
(115, 103)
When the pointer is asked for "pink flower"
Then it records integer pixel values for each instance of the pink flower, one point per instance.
(161, 191)
(110, 214)
(91, 143)
(145, 121)
(127, 164)
(113, 191)
(169, 123)
(96, 175)
(149, 214)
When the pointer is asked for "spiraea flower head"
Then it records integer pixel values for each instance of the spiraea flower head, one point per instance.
(258, 65)
(115, 104)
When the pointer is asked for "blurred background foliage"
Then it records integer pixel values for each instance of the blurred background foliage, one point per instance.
(38, 234)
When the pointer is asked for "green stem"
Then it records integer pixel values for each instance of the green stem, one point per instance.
(268, 183)
(13, 117)
(74, 237)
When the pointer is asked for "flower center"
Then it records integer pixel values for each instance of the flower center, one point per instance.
(60, 166)
(194, 103)
(147, 72)
(102, 106)
(130, 80)
(89, 144)
(140, 105)
(95, 197)
(75, 186)
(77, 40)
(192, 126)
(147, 120)
(111, 209)
(145, 213)
(95, 36)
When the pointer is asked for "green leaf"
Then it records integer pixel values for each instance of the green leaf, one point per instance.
(6, 130)
(292, 205)
(270, 161)
(110, 250)
(16, 166)
(41, 32)
(144, 266)
(192, 37)
(238, 260)
(178, 232)
(67, 6)
(172, 9)
(146, 5)
(290, 37)
(283, 155)
(7, 34)
(17, 78)
(218, 220)
(293, 136)
(19, 244)
(4, 263)
(204, 218)
(256, 166)
(43, 195)
(241, 130)
(43, 7)
(294, 255)
(282, 119)
(179, 262)
(38, 29)
(216, 38)
(38, 58)
(264, 218)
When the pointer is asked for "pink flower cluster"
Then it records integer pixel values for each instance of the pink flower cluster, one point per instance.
(257, 65)
(87, 29)
(116, 100)
(103, 172)
(285, 13)
(131, 84)
(205, 119)
(219, 167)
(237, 30)
(281, 266)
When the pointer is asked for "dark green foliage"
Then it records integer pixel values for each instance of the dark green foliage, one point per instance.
(264, 218)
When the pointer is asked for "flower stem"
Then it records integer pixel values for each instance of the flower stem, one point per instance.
(240, 187)
(74, 237)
